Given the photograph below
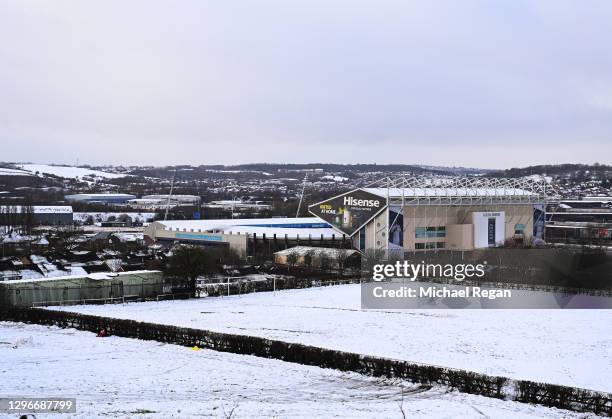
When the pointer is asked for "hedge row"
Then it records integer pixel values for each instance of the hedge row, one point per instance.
(562, 397)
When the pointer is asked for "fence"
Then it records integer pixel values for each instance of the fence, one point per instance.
(562, 397)
(245, 285)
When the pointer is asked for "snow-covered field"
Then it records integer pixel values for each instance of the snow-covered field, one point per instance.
(569, 347)
(120, 377)
(13, 172)
(68, 171)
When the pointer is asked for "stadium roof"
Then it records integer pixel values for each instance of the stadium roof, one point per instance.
(448, 192)
(426, 187)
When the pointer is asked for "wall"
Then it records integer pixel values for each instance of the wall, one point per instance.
(444, 215)
(237, 242)
(376, 232)
(459, 236)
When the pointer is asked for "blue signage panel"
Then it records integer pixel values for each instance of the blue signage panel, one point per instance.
(491, 232)
(205, 237)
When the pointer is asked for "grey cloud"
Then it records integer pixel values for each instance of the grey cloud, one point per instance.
(476, 83)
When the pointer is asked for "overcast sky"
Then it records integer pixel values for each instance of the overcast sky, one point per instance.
(468, 83)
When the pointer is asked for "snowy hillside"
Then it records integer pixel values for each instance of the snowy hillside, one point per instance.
(568, 347)
(13, 172)
(126, 378)
(69, 171)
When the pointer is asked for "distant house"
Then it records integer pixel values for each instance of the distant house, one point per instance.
(100, 240)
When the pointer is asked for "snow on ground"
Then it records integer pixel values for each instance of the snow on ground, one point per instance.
(568, 347)
(69, 171)
(335, 178)
(120, 377)
(13, 172)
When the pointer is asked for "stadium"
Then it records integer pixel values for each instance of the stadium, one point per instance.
(423, 213)
(393, 214)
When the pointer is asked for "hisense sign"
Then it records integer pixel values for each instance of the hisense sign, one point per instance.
(352, 201)
(350, 211)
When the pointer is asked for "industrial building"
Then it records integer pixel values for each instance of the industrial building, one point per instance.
(93, 288)
(42, 214)
(248, 236)
(427, 213)
(160, 202)
(581, 221)
(238, 205)
(100, 198)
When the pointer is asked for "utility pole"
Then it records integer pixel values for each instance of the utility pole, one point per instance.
(170, 195)
(297, 214)
(233, 204)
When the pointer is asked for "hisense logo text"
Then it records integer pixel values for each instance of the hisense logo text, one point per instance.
(349, 200)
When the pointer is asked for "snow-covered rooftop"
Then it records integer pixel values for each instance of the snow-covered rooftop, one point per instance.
(98, 195)
(97, 275)
(292, 227)
(301, 222)
(302, 250)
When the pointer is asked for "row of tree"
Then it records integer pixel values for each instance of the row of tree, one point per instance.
(18, 217)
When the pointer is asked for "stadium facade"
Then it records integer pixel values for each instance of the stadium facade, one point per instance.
(425, 213)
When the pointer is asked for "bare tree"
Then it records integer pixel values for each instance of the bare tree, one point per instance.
(189, 262)
(292, 259)
(66, 239)
(324, 261)
(370, 258)
(308, 259)
(341, 257)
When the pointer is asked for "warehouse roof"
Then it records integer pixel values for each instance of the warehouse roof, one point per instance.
(292, 227)
(301, 222)
(99, 195)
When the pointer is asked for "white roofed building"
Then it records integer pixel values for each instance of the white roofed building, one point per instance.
(42, 214)
(248, 235)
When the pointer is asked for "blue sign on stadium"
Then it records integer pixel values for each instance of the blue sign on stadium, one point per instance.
(206, 237)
